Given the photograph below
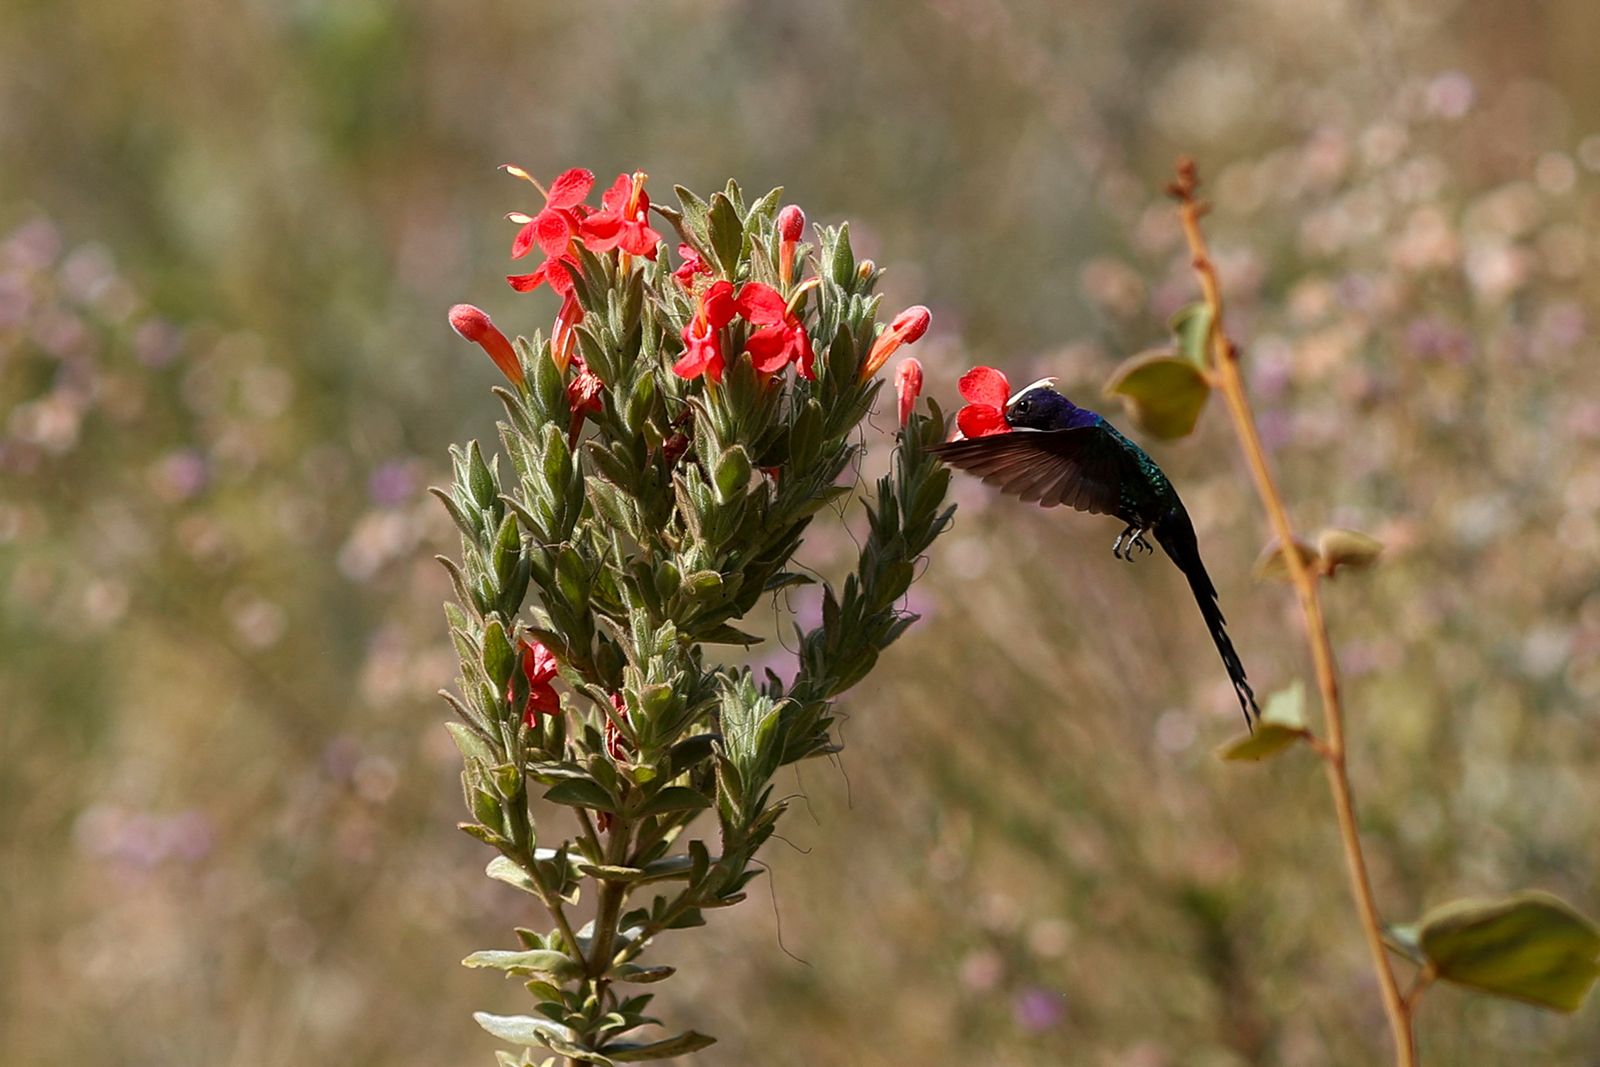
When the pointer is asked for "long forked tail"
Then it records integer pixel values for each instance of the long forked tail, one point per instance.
(1175, 534)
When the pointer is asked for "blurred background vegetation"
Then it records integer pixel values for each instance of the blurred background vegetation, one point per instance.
(228, 235)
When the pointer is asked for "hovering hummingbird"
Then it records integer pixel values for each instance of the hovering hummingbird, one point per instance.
(1040, 446)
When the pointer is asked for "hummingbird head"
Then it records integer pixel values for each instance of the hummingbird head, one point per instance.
(1040, 407)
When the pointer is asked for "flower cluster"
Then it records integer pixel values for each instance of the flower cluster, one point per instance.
(596, 574)
(780, 339)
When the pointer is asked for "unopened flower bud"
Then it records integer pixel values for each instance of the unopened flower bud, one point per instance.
(791, 223)
(471, 322)
(908, 386)
(907, 328)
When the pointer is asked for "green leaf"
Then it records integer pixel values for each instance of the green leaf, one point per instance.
(498, 656)
(728, 635)
(530, 962)
(504, 870)
(472, 746)
(521, 1029)
(582, 793)
(732, 475)
(633, 972)
(1191, 326)
(1347, 548)
(675, 798)
(1530, 946)
(681, 1045)
(727, 233)
(1163, 393)
(842, 264)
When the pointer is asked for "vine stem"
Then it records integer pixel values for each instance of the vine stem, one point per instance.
(1226, 377)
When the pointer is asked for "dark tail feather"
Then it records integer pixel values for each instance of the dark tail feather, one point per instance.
(1175, 534)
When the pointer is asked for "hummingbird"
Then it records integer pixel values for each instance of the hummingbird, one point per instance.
(1040, 446)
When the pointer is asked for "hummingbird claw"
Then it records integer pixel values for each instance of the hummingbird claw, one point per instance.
(1127, 541)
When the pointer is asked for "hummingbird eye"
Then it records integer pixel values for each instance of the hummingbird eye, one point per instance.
(1024, 405)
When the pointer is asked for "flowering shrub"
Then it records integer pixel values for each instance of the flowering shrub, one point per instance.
(596, 575)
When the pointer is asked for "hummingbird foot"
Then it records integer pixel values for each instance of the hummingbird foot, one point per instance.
(1128, 542)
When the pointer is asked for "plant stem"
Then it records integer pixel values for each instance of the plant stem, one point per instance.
(609, 909)
(1226, 377)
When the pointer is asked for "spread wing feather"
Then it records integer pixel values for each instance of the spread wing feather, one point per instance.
(1083, 467)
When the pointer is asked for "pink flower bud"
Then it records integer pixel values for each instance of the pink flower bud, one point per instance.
(471, 322)
(908, 386)
(791, 223)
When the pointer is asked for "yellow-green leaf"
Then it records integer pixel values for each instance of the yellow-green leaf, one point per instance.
(1283, 722)
(1269, 739)
(1274, 563)
(1529, 946)
(1191, 325)
(1163, 392)
(1347, 548)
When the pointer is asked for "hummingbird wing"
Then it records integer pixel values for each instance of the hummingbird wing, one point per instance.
(1083, 467)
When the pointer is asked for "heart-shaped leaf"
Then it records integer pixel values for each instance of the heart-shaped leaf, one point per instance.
(1162, 391)
(1530, 946)
(1347, 548)
(1273, 562)
(1283, 722)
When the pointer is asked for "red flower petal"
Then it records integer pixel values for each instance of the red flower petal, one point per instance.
(719, 304)
(639, 239)
(570, 188)
(770, 349)
(615, 199)
(524, 239)
(985, 385)
(601, 231)
(525, 283)
(981, 420)
(552, 229)
(807, 356)
(761, 304)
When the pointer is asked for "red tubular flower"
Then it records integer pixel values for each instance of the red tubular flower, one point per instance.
(616, 743)
(908, 386)
(782, 338)
(539, 668)
(692, 265)
(791, 225)
(471, 322)
(563, 339)
(556, 224)
(583, 397)
(986, 391)
(621, 220)
(906, 329)
(702, 337)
